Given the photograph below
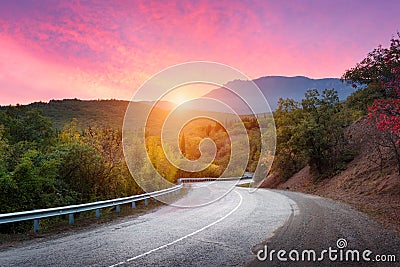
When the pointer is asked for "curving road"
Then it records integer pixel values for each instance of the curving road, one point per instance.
(227, 232)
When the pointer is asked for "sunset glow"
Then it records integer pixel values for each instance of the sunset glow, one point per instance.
(107, 49)
(188, 92)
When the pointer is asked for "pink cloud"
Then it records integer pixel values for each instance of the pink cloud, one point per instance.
(24, 78)
(102, 49)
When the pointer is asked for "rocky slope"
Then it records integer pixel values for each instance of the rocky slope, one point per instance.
(367, 184)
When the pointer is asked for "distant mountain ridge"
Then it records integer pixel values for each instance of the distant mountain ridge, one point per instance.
(275, 87)
(110, 113)
(103, 113)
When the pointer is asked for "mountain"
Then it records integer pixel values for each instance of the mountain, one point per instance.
(102, 113)
(88, 112)
(110, 113)
(275, 87)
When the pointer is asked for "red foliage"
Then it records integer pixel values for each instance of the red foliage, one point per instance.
(385, 113)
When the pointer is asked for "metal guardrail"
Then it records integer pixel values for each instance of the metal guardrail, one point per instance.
(35, 215)
(209, 179)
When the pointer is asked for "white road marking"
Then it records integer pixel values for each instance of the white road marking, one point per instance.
(183, 237)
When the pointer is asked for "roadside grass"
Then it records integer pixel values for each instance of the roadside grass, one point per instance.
(246, 185)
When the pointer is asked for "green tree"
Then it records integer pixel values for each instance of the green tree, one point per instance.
(33, 181)
(83, 169)
(23, 124)
(312, 134)
(320, 135)
(289, 157)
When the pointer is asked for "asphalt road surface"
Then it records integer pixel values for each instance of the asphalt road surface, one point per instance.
(227, 232)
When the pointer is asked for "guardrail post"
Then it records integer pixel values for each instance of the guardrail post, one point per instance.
(118, 208)
(146, 202)
(98, 213)
(133, 205)
(35, 225)
(162, 197)
(155, 199)
(71, 218)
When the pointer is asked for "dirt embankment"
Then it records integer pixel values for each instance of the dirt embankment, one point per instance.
(370, 184)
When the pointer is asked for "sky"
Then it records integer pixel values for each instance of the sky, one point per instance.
(98, 49)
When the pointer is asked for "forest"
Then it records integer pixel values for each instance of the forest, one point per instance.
(42, 166)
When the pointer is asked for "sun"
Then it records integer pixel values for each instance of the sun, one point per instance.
(179, 99)
(188, 92)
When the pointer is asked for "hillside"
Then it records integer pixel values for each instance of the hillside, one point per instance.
(362, 184)
(102, 113)
(108, 113)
